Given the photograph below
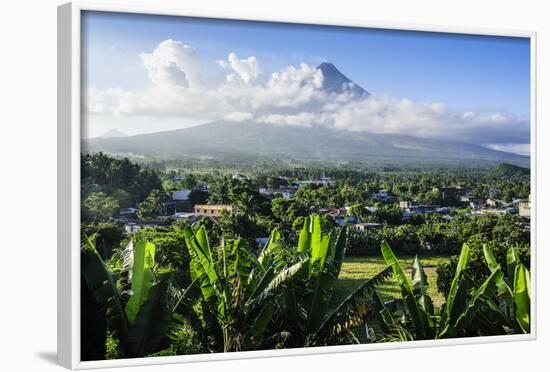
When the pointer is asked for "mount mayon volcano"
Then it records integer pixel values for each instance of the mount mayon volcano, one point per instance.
(225, 139)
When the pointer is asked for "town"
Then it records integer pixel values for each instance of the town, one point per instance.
(177, 205)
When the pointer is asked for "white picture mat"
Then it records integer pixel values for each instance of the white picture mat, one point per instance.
(69, 176)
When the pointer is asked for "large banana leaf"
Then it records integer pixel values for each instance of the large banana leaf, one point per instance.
(304, 241)
(387, 322)
(420, 287)
(418, 315)
(276, 285)
(478, 298)
(264, 259)
(325, 281)
(522, 297)
(449, 312)
(512, 260)
(506, 297)
(351, 312)
(142, 278)
(152, 321)
(101, 282)
(202, 264)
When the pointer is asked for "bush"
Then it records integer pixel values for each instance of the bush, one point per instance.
(186, 341)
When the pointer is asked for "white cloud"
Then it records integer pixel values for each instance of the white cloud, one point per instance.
(181, 88)
(173, 63)
(246, 70)
(518, 148)
(238, 116)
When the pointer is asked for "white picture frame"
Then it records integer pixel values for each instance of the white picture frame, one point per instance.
(69, 139)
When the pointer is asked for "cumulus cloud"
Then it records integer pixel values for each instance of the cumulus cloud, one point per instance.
(294, 96)
(238, 116)
(246, 70)
(173, 63)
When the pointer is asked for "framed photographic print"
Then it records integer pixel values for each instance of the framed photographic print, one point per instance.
(236, 187)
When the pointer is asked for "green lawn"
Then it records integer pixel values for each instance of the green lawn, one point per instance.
(356, 269)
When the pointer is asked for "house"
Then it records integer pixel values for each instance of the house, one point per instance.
(384, 196)
(131, 228)
(467, 196)
(450, 192)
(181, 195)
(424, 209)
(185, 215)
(364, 226)
(323, 181)
(285, 192)
(524, 209)
(214, 210)
(239, 177)
(476, 203)
(343, 220)
(491, 202)
(127, 212)
(404, 204)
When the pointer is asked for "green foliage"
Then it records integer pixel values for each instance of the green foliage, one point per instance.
(169, 243)
(493, 307)
(477, 268)
(99, 206)
(142, 323)
(108, 184)
(151, 206)
(108, 235)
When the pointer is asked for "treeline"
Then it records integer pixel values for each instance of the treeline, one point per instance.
(108, 184)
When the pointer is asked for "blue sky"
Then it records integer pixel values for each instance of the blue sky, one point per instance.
(463, 72)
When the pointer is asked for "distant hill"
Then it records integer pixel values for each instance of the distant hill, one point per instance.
(221, 139)
(510, 171)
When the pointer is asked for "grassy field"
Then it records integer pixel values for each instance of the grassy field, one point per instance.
(356, 269)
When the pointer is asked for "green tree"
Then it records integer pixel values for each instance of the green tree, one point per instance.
(99, 206)
(151, 206)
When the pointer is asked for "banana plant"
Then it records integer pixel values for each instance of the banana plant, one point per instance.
(514, 290)
(237, 293)
(469, 309)
(142, 323)
(311, 317)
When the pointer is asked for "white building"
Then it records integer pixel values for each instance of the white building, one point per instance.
(181, 195)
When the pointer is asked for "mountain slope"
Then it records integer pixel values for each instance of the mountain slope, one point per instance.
(221, 139)
(227, 139)
(336, 82)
